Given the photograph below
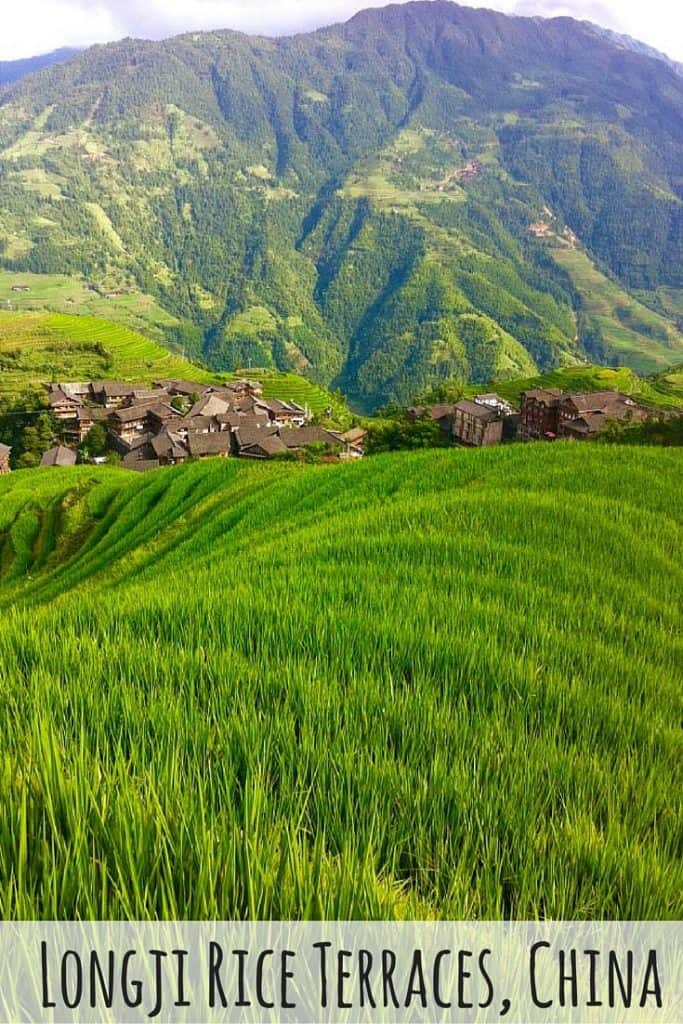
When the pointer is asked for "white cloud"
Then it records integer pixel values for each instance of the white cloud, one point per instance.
(37, 26)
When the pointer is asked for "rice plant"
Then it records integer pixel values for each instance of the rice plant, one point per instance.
(437, 685)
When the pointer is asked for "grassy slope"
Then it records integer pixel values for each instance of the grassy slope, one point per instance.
(39, 347)
(634, 334)
(664, 390)
(194, 664)
(62, 294)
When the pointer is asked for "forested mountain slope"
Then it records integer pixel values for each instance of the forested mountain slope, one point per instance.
(379, 204)
(13, 70)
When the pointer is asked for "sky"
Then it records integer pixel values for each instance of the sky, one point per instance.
(31, 27)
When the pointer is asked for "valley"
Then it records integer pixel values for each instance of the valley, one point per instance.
(355, 204)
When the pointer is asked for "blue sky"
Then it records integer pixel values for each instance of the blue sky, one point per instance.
(37, 26)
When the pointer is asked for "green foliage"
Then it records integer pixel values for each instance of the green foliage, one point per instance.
(95, 442)
(668, 432)
(403, 434)
(36, 439)
(418, 699)
(445, 393)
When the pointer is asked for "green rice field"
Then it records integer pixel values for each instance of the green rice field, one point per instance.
(435, 685)
(37, 348)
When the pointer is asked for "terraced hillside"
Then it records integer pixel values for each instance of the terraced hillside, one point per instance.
(435, 685)
(41, 347)
(36, 348)
(374, 205)
(663, 391)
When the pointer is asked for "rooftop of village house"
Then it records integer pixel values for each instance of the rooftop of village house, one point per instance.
(175, 420)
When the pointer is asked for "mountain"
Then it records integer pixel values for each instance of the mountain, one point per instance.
(210, 710)
(13, 70)
(425, 192)
(637, 47)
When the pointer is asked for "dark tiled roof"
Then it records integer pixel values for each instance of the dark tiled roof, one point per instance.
(268, 444)
(90, 414)
(218, 443)
(209, 405)
(277, 405)
(597, 401)
(141, 452)
(480, 412)
(310, 435)
(355, 435)
(59, 397)
(229, 419)
(183, 387)
(59, 456)
(164, 412)
(113, 388)
(435, 412)
(131, 414)
(548, 395)
(140, 465)
(169, 445)
(200, 424)
(246, 434)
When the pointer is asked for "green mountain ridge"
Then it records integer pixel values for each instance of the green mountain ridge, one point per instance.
(13, 70)
(355, 204)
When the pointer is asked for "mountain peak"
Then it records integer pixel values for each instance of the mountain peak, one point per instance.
(425, 192)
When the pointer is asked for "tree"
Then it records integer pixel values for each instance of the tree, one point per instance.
(406, 433)
(449, 391)
(36, 439)
(96, 441)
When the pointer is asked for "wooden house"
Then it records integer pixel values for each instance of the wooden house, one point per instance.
(128, 424)
(441, 413)
(169, 448)
(356, 437)
(265, 446)
(334, 444)
(283, 414)
(62, 405)
(475, 424)
(59, 456)
(5, 452)
(112, 394)
(539, 413)
(244, 388)
(204, 446)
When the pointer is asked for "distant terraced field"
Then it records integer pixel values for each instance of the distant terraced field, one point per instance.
(41, 347)
(36, 348)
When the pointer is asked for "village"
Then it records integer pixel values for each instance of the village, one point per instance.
(544, 414)
(174, 421)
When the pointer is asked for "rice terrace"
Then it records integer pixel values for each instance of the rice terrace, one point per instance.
(341, 500)
(195, 663)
